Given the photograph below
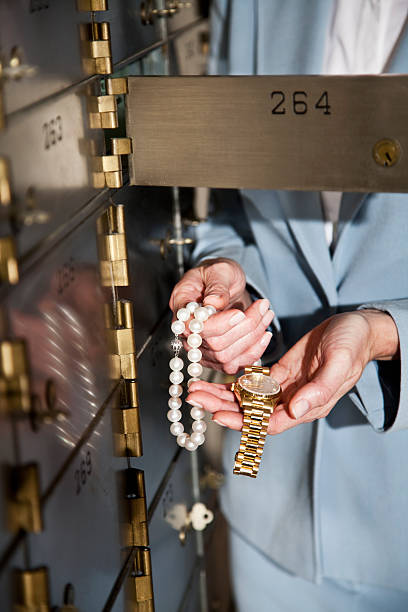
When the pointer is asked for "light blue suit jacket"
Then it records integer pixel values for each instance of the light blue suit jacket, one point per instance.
(331, 498)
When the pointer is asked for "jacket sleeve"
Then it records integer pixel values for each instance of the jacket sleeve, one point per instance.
(382, 391)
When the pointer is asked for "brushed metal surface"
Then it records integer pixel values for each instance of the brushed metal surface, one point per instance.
(222, 131)
(47, 35)
(49, 151)
(80, 543)
(58, 310)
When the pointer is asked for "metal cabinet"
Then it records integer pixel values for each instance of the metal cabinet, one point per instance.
(95, 492)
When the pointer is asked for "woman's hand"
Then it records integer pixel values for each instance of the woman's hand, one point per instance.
(236, 335)
(315, 373)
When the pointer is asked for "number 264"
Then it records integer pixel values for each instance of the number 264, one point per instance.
(298, 103)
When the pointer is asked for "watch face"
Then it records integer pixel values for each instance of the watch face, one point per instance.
(259, 384)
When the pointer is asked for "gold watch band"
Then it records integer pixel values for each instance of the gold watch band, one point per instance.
(254, 431)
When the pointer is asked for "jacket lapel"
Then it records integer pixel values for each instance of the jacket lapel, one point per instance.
(303, 213)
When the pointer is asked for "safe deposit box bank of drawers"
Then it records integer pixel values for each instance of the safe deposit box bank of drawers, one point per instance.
(95, 497)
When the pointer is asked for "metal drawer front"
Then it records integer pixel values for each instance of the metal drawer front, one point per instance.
(281, 132)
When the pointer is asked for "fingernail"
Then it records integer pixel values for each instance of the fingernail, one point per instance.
(218, 422)
(193, 403)
(300, 408)
(263, 306)
(266, 319)
(266, 338)
(236, 318)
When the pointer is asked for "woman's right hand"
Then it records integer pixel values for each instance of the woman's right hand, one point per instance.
(235, 336)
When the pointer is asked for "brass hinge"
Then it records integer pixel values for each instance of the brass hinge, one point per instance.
(103, 112)
(121, 342)
(112, 248)
(127, 435)
(15, 387)
(139, 583)
(5, 188)
(31, 590)
(107, 169)
(117, 86)
(92, 5)
(8, 260)
(23, 504)
(96, 48)
(134, 530)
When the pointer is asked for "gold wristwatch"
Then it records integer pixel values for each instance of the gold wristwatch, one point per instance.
(257, 394)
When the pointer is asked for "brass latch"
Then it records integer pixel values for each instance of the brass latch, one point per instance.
(15, 388)
(112, 248)
(139, 583)
(165, 244)
(23, 503)
(31, 590)
(135, 530)
(96, 48)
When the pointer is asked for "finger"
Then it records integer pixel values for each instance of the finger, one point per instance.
(226, 418)
(189, 289)
(249, 357)
(211, 402)
(324, 388)
(220, 390)
(231, 324)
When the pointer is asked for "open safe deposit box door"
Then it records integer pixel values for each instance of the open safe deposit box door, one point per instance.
(270, 132)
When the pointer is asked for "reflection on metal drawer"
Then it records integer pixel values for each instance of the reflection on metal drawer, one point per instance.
(49, 154)
(58, 309)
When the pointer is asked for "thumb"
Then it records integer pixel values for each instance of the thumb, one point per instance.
(216, 288)
(323, 388)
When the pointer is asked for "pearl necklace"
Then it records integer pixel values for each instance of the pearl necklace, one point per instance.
(194, 340)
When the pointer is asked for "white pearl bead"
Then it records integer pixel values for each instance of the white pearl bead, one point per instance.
(191, 380)
(199, 426)
(201, 313)
(174, 415)
(174, 403)
(177, 327)
(175, 390)
(196, 326)
(195, 369)
(197, 413)
(190, 445)
(210, 309)
(176, 377)
(194, 340)
(176, 428)
(198, 438)
(194, 354)
(181, 439)
(176, 363)
(183, 314)
(192, 306)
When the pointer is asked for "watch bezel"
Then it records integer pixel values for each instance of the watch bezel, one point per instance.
(238, 388)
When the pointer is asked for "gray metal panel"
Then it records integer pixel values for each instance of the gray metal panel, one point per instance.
(80, 543)
(267, 132)
(49, 153)
(48, 35)
(58, 310)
